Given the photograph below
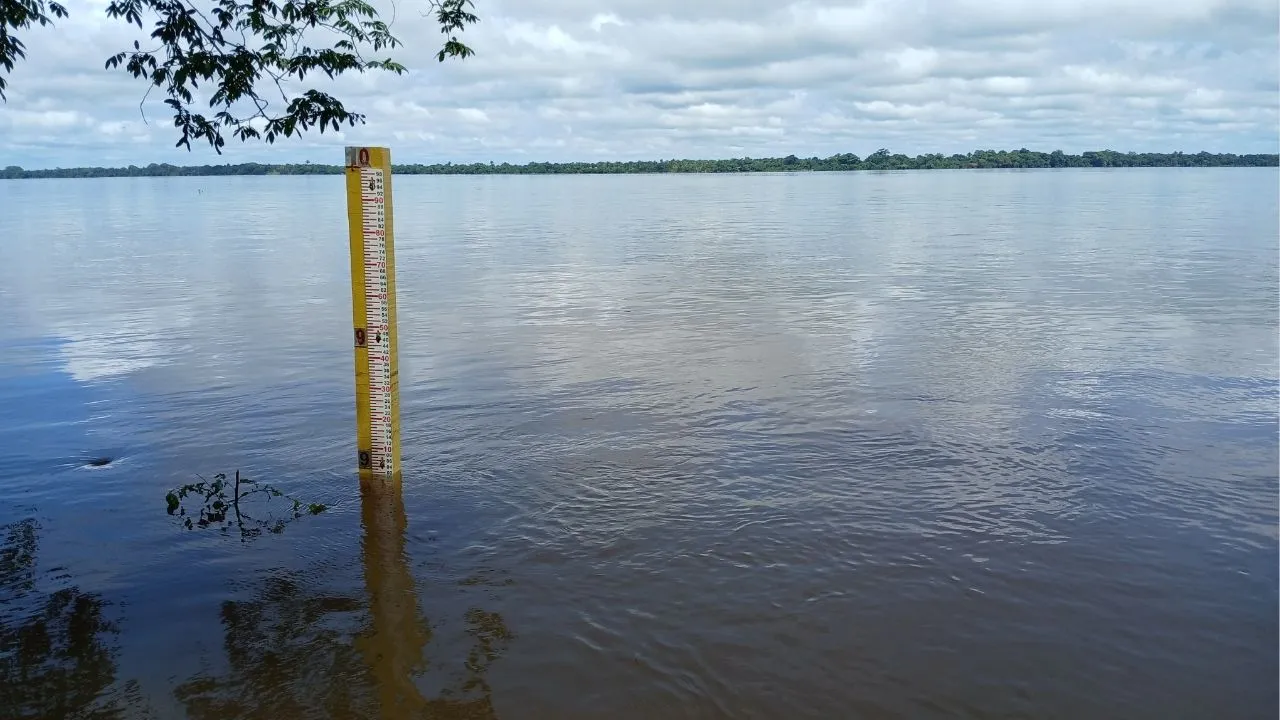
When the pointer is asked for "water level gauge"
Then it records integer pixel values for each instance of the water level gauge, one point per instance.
(373, 310)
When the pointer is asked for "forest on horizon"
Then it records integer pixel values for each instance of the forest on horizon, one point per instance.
(880, 160)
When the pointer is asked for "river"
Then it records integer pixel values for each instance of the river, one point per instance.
(981, 444)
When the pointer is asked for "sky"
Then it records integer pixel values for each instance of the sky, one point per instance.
(562, 80)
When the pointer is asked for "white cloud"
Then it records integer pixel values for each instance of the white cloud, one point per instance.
(599, 21)
(552, 39)
(575, 79)
(45, 119)
(475, 115)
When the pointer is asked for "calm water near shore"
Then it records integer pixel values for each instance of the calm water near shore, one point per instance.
(924, 444)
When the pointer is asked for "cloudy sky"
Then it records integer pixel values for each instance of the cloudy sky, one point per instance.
(632, 79)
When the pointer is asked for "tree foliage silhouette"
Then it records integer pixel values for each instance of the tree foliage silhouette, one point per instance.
(238, 58)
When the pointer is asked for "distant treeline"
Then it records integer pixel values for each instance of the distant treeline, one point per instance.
(879, 160)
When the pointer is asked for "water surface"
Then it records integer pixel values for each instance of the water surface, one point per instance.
(930, 444)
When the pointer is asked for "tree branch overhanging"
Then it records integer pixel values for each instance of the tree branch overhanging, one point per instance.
(239, 52)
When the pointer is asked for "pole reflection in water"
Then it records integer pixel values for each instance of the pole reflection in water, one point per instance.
(394, 650)
(300, 650)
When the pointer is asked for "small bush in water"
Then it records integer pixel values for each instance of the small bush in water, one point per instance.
(221, 503)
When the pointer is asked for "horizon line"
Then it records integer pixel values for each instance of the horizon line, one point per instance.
(882, 159)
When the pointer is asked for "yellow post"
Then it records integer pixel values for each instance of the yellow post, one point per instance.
(373, 305)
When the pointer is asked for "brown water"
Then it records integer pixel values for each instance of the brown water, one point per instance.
(938, 444)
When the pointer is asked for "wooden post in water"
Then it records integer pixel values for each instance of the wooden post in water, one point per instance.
(373, 305)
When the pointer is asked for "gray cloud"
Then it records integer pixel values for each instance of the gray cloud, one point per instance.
(572, 79)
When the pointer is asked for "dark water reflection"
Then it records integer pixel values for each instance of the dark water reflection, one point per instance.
(294, 649)
(58, 653)
(877, 445)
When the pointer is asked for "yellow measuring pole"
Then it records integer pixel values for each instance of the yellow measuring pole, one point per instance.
(373, 311)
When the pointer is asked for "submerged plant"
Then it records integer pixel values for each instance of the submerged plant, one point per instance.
(222, 504)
